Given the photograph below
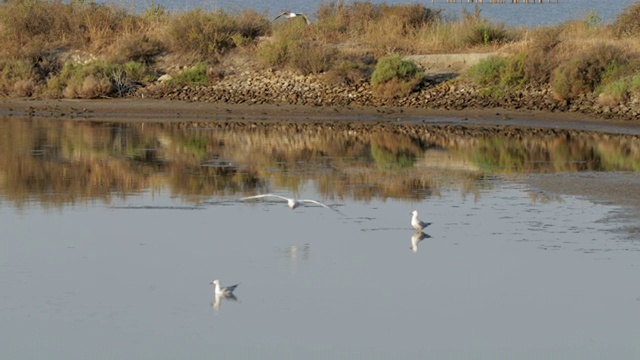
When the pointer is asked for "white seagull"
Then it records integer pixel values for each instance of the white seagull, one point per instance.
(417, 223)
(226, 291)
(292, 203)
(291, 15)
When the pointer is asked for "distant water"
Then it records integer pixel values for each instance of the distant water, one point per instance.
(527, 15)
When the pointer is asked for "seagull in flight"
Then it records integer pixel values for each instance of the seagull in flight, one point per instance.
(292, 203)
(291, 15)
(418, 224)
(226, 291)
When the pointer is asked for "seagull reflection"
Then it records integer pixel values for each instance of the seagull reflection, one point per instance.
(291, 202)
(217, 300)
(222, 293)
(415, 240)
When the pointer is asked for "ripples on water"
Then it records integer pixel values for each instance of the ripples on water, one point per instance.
(111, 234)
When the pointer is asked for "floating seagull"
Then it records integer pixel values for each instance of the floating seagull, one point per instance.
(415, 240)
(226, 291)
(292, 203)
(291, 15)
(417, 223)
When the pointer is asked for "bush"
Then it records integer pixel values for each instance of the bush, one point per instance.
(17, 78)
(395, 77)
(351, 70)
(96, 79)
(584, 73)
(195, 75)
(628, 22)
(540, 61)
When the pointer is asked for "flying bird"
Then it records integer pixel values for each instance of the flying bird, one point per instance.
(418, 224)
(291, 15)
(226, 291)
(292, 203)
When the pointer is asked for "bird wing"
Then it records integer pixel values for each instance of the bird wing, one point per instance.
(306, 18)
(281, 15)
(424, 224)
(314, 202)
(262, 196)
(231, 288)
(321, 204)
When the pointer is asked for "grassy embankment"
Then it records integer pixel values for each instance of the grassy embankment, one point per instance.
(81, 49)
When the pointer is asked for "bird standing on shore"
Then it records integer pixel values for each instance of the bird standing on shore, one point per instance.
(291, 15)
(418, 224)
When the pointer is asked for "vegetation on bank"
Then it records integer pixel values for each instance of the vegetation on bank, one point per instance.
(80, 49)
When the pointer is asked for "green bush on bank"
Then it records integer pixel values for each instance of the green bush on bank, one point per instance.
(395, 77)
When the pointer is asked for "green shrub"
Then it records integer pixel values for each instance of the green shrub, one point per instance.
(395, 77)
(614, 92)
(635, 83)
(97, 79)
(17, 78)
(488, 71)
(195, 75)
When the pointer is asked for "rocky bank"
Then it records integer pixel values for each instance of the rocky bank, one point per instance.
(442, 90)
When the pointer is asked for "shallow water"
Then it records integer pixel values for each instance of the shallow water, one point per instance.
(111, 235)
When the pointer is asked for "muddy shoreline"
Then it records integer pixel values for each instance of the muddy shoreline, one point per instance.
(151, 110)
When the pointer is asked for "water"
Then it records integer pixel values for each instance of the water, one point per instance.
(527, 15)
(112, 233)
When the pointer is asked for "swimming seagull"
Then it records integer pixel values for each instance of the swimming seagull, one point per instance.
(226, 291)
(291, 15)
(417, 223)
(292, 203)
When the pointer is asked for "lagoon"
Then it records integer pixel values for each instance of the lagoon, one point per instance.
(111, 233)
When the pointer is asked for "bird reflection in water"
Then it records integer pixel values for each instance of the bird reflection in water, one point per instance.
(294, 251)
(416, 239)
(221, 293)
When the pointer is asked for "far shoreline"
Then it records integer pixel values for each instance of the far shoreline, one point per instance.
(133, 110)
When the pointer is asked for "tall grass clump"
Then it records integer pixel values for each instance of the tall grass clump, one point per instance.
(628, 22)
(395, 77)
(383, 28)
(295, 45)
(206, 36)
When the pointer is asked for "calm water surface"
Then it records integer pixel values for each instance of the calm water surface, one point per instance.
(110, 235)
(521, 14)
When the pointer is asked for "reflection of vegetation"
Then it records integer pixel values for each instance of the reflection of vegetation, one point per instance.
(580, 152)
(57, 163)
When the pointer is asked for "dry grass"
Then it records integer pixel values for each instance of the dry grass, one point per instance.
(40, 38)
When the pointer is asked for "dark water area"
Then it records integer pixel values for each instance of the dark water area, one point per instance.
(111, 233)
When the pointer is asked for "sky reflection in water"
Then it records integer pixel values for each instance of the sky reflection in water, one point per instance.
(118, 264)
